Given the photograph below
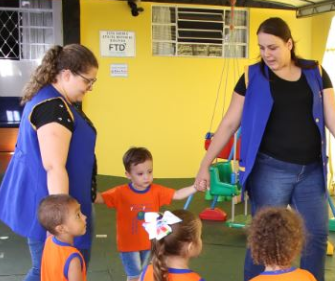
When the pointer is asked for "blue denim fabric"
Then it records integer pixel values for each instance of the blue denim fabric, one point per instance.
(277, 183)
(86, 253)
(134, 262)
(36, 250)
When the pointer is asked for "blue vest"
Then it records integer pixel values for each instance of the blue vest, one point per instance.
(25, 184)
(256, 112)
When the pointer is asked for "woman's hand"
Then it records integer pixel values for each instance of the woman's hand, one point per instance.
(202, 181)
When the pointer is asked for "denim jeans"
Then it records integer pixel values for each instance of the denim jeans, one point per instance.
(277, 183)
(134, 262)
(36, 251)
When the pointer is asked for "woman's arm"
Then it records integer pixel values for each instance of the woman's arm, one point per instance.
(228, 126)
(329, 109)
(54, 141)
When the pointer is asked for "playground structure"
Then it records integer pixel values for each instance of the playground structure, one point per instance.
(224, 182)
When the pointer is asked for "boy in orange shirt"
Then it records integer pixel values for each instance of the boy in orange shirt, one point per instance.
(132, 201)
(60, 215)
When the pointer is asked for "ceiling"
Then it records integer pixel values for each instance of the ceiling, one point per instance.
(291, 4)
(303, 7)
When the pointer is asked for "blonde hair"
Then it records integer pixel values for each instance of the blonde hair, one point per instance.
(74, 57)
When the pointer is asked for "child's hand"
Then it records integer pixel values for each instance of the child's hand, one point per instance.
(202, 186)
(99, 199)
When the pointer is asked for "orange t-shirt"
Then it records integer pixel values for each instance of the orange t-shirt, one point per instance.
(130, 205)
(174, 274)
(56, 260)
(285, 275)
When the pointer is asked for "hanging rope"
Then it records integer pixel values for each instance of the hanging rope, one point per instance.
(230, 53)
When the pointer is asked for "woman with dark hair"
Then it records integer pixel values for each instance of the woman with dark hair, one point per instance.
(55, 148)
(283, 104)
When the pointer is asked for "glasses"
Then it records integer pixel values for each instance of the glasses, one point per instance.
(88, 81)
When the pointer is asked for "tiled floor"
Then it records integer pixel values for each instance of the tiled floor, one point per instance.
(221, 260)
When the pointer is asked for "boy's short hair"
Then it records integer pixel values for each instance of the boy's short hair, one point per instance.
(53, 210)
(134, 156)
(276, 236)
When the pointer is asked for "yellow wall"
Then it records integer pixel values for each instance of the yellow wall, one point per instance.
(166, 103)
(320, 28)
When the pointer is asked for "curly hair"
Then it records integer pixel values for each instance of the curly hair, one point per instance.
(276, 236)
(173, 244)
(75, 57)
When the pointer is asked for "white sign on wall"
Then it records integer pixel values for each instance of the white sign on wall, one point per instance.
(117, 43)
(119, 70)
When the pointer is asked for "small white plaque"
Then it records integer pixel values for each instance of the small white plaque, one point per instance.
(119, 70)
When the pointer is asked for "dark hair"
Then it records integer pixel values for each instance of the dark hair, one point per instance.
(74, 57)
(276, 236)
(173, 244)
(53, 210)
(279, 28)
(134, 156)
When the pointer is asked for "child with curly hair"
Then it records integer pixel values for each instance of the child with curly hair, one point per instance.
(276, 237)
(176, 238)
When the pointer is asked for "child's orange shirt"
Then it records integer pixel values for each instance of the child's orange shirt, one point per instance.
(175, 274)
(56, 260)
(130, 205)
(285, 275)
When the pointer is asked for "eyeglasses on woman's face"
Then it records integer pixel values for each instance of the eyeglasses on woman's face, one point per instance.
(88, 81)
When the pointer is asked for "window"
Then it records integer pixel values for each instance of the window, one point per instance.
(181, 31)
(26, 29)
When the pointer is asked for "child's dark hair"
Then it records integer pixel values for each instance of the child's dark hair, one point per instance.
(74, 57)
(276, 236)
(134, 156)
(173, 244)
(53, 210)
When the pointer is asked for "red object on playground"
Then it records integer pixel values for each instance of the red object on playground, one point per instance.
(215, 214)
(224, 154)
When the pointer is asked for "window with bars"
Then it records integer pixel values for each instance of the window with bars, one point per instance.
(181, 31)
(26, 29)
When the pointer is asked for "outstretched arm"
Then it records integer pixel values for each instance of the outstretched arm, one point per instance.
(228, 126)
(187, 191)
(99, 199)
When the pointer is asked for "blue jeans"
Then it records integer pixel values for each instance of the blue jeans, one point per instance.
(36, 251)
(277, 183)
(134, 262)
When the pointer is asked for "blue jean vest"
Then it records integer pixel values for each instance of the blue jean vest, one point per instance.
(256, 112)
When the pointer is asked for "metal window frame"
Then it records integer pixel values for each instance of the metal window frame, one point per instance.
(225, 27)
(55, 29)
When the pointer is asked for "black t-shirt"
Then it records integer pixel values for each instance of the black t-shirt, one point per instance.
(54, 110)
(291, 134)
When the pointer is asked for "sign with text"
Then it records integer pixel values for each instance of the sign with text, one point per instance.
(117, 43)
(119, 70)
